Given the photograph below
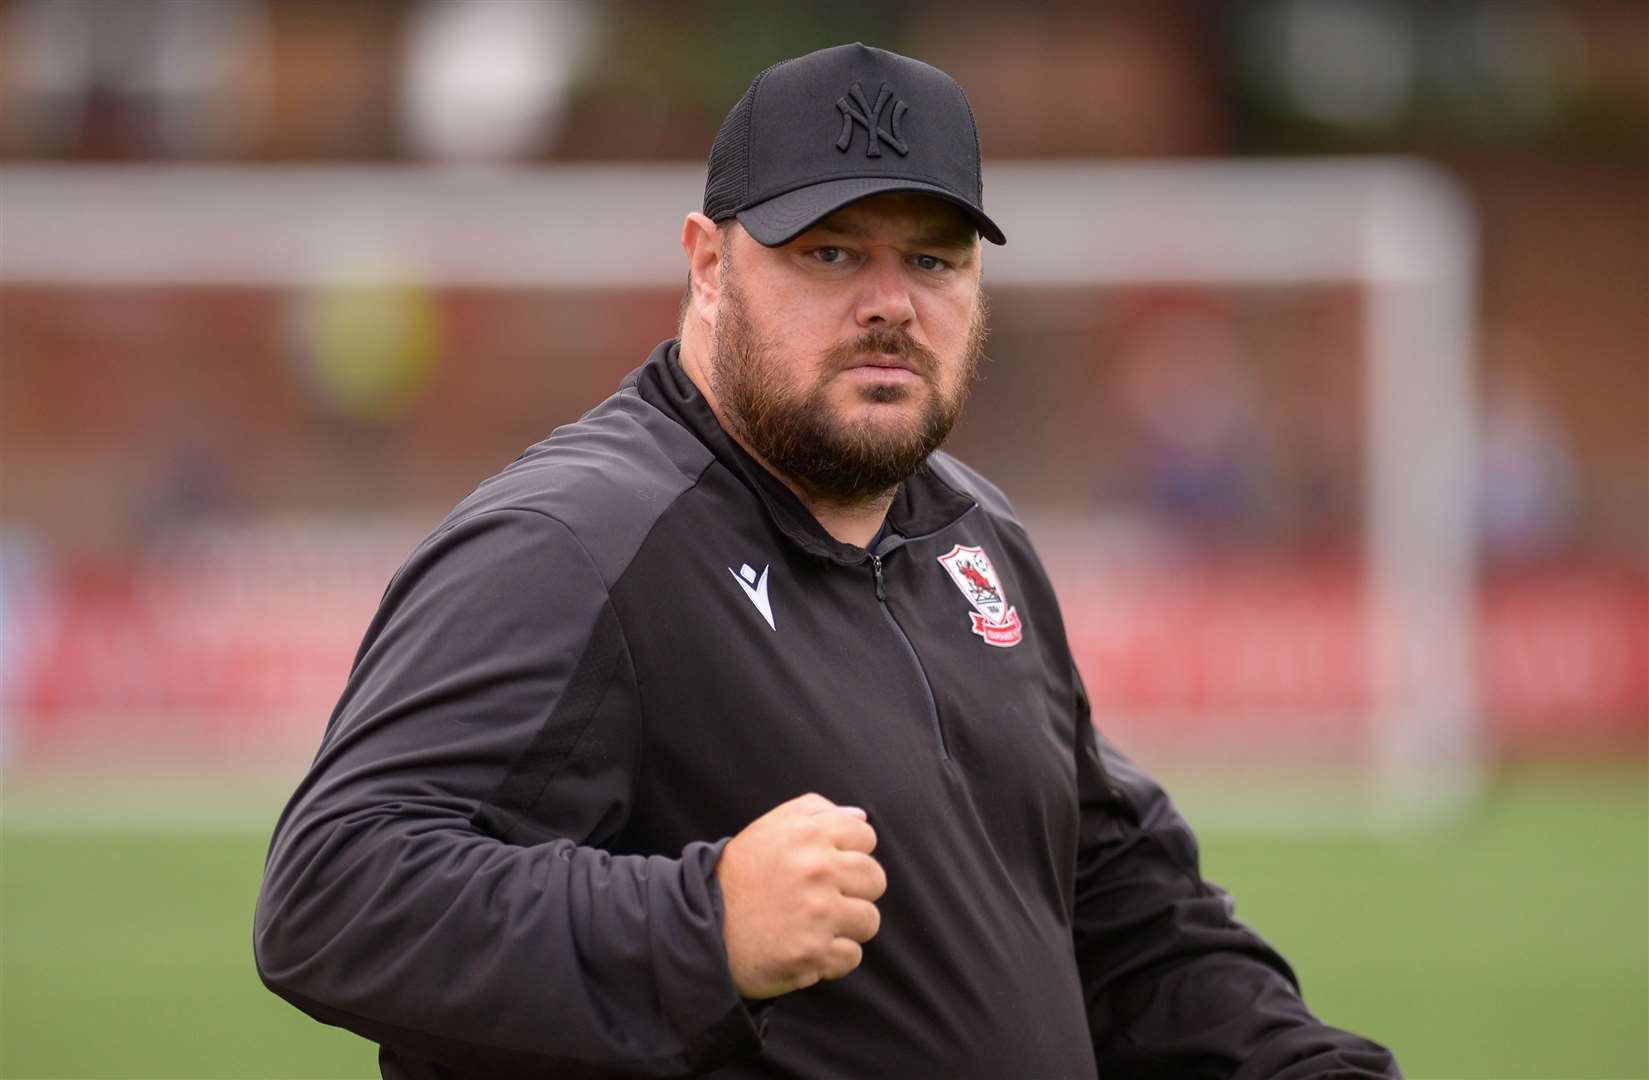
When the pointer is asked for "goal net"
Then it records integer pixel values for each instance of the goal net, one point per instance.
(1294, 653)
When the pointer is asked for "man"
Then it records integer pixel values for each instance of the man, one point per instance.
(732, 730)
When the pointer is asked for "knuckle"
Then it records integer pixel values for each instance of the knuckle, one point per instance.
(815, 908)
(845, 957)
(853, 920)
(799, 956)
(810, 864)
(816, 951)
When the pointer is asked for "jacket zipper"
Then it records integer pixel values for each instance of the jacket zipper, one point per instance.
(927, 687)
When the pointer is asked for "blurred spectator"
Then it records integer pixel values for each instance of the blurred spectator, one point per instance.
(1527, 483)
(489, 79)
(192, 483)
(27, 616)
(136, 79)
(365, 353)
(1186, 381)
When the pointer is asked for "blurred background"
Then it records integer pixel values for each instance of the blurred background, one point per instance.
(1353, 547)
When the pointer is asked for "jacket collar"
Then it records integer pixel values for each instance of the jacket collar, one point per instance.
(924, 503)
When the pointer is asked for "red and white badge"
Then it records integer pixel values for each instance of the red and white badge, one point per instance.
(993, 619)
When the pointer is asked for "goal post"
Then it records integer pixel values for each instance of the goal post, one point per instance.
(1398, 231)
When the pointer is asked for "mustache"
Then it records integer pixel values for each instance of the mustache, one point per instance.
(885, 342)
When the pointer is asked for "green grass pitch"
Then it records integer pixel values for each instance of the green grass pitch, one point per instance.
(1511, 944)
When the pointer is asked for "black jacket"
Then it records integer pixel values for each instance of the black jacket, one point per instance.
(634, 641)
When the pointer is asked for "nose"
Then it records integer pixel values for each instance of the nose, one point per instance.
(884, 296)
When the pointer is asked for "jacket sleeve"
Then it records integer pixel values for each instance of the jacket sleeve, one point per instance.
(1177, 988)
(438, 884)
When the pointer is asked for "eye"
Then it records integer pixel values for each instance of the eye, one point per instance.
(930, 262)
(830, 256)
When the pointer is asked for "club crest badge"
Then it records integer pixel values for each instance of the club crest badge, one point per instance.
(993, 618)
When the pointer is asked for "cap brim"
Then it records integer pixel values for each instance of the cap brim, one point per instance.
(782, 218)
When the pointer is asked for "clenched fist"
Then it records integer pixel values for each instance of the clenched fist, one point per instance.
(799, 888)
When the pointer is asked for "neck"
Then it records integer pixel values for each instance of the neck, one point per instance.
(856, 524)
(851, 523)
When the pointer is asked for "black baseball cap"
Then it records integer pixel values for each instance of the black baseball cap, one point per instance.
(823, 130)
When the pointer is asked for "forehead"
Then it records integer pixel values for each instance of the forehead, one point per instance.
(901, 215)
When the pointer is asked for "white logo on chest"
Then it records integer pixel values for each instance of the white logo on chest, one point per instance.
(755, 587)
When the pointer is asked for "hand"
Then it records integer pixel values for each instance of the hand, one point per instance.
(799, 888)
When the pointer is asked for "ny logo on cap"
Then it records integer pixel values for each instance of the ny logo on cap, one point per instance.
(871, 120)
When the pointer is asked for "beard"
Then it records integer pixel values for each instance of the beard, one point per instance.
(796, 430)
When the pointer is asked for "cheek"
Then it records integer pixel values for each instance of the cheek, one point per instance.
(946, 320)
(777, 319)
(823, 322)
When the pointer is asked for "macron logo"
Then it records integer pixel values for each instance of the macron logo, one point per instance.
(756, 589)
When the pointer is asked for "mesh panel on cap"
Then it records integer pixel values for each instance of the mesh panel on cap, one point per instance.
(727, 181)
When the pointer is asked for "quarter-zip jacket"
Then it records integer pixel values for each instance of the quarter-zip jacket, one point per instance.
(632, 642)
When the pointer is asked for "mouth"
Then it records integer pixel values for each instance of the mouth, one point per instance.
(871, 363)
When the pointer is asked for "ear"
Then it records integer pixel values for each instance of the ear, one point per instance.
(701, 240)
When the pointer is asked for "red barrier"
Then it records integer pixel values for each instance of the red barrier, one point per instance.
(229, 648)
